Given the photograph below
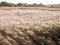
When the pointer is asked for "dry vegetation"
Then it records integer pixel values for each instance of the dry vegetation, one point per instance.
(29, 26)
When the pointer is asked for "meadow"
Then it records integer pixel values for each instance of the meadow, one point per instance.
(29, 26)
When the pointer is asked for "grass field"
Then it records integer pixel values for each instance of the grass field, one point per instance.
(29, 26)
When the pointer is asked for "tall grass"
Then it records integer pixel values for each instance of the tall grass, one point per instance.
(30, 36)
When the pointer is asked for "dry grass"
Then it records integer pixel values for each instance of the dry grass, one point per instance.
(19, 26)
